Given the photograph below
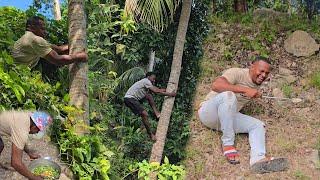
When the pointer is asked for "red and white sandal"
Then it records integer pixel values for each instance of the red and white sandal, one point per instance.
(231, 154)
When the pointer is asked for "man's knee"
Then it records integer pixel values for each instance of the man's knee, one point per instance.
(260, 125)
(229, 96)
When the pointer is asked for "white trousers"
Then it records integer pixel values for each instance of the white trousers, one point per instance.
(220, 113)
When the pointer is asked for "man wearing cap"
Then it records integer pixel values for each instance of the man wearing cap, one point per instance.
(18, 125)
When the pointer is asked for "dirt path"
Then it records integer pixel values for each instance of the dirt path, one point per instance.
(293, 130)
(42, 146)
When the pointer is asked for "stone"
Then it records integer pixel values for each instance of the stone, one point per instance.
(300, 43)
(277, 93)
(314, 158)
(267, 13)
(284, 71)
(289, 79)
(220, 36)
(296, 100)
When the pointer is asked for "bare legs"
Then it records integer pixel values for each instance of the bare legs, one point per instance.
(144, 116)
(153, 105)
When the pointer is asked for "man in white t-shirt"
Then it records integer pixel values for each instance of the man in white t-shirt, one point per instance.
(220, 111)
(138, 92)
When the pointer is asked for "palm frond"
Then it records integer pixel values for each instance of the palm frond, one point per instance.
(156, 13)
(128, 78)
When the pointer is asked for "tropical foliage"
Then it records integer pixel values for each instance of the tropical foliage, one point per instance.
(119, 41)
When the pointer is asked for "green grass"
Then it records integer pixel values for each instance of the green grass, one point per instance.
(315, 80)
(298, 174)
(287, 90)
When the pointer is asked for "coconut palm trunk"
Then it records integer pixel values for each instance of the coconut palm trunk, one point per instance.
(152, 57)
(56, 10)
(78, 71)
(157, 149)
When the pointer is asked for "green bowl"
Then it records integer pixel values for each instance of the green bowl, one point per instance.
(44, 162)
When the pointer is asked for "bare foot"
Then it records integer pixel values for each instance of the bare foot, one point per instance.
(158, 115)
(153, 137)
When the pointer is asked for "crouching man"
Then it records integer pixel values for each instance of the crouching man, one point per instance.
(17, 125)
(220, 111)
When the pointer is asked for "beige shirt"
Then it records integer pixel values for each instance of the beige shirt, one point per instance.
(237, 76)
(29, 48)
(16, 125)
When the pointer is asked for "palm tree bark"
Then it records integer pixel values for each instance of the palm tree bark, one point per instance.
(78, 71)
(151, 61)
(157, 149)
(56, 10)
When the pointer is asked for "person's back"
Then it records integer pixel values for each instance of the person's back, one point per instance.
(16, 125)
(32, 46)
(139, 89)
(29, 49)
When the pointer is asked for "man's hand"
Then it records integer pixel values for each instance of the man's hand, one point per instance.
(82, 56)
(172, 94)
(252, 93)
(33, 155)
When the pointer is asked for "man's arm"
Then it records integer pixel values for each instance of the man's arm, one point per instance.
(54, 58)
(162, 91)
(63, 49)
(221, 84)
(16, 163)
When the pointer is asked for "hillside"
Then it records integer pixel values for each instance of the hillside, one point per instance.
(292, 128)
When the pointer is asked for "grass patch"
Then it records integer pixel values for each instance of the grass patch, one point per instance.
(287, 90)
(300, 175)
(315, 80)
(286, 145)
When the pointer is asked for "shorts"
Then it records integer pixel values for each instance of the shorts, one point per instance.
(134, 105)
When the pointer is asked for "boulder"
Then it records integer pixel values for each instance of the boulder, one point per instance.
(277, 93)
(267, 13)
(300, 43)
(285, 71)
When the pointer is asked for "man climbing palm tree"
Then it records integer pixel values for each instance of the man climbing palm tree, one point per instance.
(139, 92)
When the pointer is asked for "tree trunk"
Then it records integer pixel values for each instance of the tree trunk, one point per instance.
(151, 60)
(310, 9)
(240, 6)
(56, 10)
(157, 149)
(78, 71)
(213, 6)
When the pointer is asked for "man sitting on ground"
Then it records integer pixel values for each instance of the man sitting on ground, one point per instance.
(220, 111)
(138, 92)
(32, 46)
(17, 125)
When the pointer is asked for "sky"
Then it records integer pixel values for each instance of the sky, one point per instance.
(24, 5)
(21, 4)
